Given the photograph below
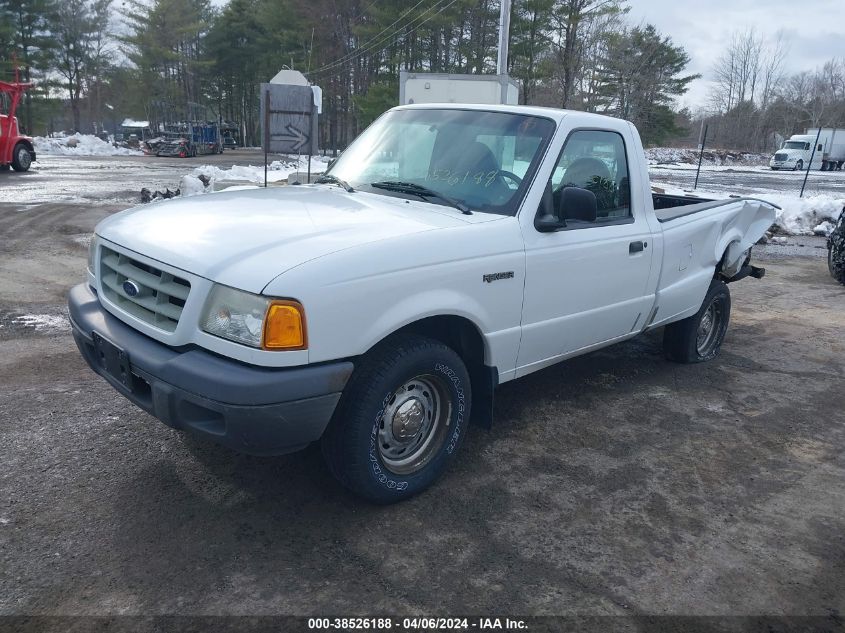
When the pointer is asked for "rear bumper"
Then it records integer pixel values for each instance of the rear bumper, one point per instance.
(256, 410)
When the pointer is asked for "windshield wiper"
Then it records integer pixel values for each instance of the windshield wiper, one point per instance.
(423, 192)
(338, 181)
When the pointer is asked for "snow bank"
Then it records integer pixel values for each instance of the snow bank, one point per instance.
(712, 157)
(277, 171)
(80, 145)
(811, 215)
(806, 216)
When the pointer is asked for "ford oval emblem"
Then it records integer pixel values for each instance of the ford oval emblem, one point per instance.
(131, 288)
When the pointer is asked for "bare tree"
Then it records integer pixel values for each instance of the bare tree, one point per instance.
(775, 54)
(737, 71)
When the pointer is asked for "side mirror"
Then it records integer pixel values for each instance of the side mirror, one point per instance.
(578, 204)
(548, 223)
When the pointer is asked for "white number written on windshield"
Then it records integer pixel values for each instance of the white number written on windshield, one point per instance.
(453, 178)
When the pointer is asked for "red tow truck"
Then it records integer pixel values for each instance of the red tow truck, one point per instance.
(15, 149)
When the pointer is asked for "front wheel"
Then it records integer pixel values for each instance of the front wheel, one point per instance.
(400, 421)
(699, 338)
(799, 166)
(21, 158)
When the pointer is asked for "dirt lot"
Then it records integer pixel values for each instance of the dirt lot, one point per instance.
(617, 483)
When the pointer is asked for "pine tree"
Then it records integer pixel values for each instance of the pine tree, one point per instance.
(31, 42)
(166, 44)
(640, 77)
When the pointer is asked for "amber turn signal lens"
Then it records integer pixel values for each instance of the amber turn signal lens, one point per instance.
(284, 326)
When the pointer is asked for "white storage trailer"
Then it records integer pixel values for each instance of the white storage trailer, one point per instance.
(797, 151)
(455, 88)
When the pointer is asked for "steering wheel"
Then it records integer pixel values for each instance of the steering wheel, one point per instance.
(511, 176)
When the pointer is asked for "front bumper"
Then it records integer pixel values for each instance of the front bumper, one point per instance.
(256, 410)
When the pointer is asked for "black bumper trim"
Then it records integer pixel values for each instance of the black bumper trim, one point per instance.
(252, 409)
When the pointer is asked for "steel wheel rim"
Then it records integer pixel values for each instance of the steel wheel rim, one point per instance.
(414, 424)
(708, 328)
(23, 157)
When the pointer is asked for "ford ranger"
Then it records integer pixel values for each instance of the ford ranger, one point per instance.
(448, 250)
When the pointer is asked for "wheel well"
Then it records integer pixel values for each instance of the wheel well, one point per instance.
(457, 332)
(26, 143)
(464, 337)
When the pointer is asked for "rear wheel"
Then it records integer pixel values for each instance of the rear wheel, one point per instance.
(21, 158)
(401, 420)
(699, 338)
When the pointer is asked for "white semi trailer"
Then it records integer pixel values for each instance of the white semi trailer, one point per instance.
(797, 151)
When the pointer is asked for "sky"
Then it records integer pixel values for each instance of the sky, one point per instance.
(814, 31)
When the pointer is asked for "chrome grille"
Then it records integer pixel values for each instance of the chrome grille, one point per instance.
(160, 298)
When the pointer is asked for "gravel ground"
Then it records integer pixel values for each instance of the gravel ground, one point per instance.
(616, 483)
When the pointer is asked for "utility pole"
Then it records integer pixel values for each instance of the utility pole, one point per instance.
(504, 38)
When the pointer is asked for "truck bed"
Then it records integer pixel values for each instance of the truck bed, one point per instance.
(669, 207)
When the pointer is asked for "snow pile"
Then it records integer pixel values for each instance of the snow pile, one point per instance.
(712, 157)
(191, 186)
(825, 228)
(811, 215)
(277, 171)
(80, 145)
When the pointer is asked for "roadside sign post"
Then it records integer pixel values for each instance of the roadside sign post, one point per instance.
(289, 119)
(700, 155)
(810, 164)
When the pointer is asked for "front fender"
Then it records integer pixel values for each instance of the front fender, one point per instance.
(435, 302)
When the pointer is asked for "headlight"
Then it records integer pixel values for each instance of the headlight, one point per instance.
(92, 254)
(254, 320)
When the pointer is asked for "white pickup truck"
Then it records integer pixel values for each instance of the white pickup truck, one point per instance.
(448, 250)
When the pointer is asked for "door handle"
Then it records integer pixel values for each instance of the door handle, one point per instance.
(636, 247)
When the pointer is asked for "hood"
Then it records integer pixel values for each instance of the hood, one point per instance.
(246, 238)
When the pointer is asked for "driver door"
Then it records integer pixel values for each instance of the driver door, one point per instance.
(588, 283)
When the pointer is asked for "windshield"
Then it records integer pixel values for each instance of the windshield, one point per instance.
(483, 160)
(796, 145)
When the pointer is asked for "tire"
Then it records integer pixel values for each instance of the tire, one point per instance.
(836, 260)
(799, 166)
(408, 380)
(699, 338)
(21, 158)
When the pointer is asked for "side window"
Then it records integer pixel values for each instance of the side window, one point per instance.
(594, 160)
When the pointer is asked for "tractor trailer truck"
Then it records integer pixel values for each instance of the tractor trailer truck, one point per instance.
(797, 152)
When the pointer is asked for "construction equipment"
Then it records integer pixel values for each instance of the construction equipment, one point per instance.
(16, 150)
